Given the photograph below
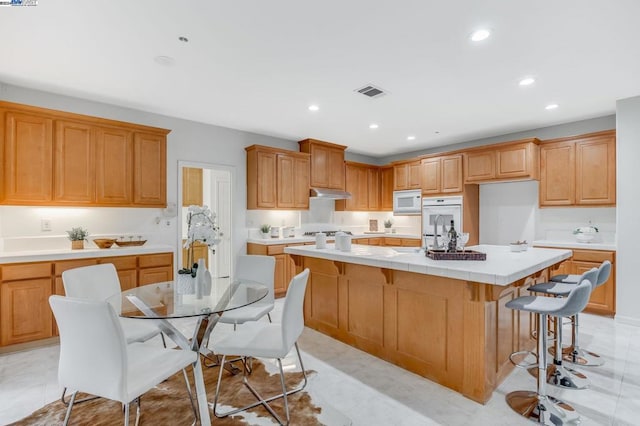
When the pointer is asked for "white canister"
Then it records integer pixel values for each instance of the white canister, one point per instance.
(344, 242)
(321, 240)
(338, 240)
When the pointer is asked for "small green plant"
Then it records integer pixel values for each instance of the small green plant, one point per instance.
(77, 234)
(388, 223)
(265, 228)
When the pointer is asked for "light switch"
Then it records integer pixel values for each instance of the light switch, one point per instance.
(45, 224)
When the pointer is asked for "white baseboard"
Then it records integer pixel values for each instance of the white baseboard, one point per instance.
(628, 320)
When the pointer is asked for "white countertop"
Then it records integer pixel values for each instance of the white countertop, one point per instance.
(502, 266)
(575, 245)
(289, 240)
(66, 254)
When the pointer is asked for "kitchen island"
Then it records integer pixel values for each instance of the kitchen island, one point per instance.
(444, 320)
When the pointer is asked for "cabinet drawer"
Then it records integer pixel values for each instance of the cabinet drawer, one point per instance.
(60, 267)
(593, 256)
(121, 263)
(155, 275)
(275, 249)
(410, 242)
(26, 271)
(393, 241)
(153, 260)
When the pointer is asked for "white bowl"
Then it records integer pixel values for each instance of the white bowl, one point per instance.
(585, 237)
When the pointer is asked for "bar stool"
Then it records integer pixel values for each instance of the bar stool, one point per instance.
(557, 374)
(538, 406)
(574, 353)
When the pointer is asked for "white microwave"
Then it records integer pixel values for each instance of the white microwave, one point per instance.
(407, 203)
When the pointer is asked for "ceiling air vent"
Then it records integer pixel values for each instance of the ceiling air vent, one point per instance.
(371, 91)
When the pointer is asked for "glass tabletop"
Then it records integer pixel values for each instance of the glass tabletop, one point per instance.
(174, 299)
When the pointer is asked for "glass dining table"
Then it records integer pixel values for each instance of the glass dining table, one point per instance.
(165, 301)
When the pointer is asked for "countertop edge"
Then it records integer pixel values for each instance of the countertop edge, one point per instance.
(575, 245)
(67, 254)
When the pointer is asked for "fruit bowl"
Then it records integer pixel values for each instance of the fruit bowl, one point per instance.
(130, 243)
(585, 237)
(104, 243)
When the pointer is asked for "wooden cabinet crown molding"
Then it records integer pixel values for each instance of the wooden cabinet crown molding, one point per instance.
(56, 158)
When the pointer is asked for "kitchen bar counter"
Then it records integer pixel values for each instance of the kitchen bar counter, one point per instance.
(89, 252)
(502, 266)
(443, 320)
(575, 245)
(304, 239)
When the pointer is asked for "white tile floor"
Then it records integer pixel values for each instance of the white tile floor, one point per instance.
(373, 392)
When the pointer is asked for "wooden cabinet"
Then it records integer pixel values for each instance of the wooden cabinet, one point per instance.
(386, 188)
(579, 171)
(407, 175)
(285, 267)
(442, 175)
(327, 163)
(518, 160)
(603, 299)
(200, 251)
(56, 158)
(155, 268)
(363, 182)
(26, 151)
(192, 186)
(24, 303)
(277, 179)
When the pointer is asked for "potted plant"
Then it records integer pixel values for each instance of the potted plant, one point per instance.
(265, 230)
(77, 236)
(387, 225)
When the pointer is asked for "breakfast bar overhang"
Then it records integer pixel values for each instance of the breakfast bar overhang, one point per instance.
(444, 320)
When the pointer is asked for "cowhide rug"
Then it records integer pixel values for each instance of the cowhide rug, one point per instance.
(168, 403)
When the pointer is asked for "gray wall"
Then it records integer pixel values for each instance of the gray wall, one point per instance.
(628, 153)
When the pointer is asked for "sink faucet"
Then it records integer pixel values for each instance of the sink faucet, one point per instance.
(436, 246)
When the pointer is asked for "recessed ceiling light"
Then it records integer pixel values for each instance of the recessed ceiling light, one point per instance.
(165, 60)
(527, 81)
(480, 35)
(183, 39)
(411, 138)
(373, 126)
(551, 106)
(313, 107)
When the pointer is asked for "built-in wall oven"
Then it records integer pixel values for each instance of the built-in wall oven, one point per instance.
(444, 209)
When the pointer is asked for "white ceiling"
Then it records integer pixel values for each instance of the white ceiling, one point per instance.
(256, 65)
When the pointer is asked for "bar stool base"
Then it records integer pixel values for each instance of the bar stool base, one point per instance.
(581, 357)
(563, 377)
(545, 410)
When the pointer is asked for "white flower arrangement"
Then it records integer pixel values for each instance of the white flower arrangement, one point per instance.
(585, 230)
(201, 227)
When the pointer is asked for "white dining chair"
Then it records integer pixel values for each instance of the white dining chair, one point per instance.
(260, 269)
(261, 339)
(101, 283)
(95, 357)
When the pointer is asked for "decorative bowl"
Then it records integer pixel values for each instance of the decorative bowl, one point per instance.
(104, 243)
(130, 243)
(585, 237)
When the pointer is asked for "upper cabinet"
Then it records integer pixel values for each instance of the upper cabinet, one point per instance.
(327, 163)
(442, 175)
(579, 171)
(407, 175)
(54, 158)
(277, 179)
(192, 184)
(386, 188)
(504, 162)
(363, 182)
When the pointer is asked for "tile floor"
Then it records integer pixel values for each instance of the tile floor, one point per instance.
(369, 391)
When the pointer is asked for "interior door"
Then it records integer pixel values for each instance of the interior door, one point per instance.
(221, 183)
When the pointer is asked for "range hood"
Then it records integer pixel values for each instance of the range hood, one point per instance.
(329, 194)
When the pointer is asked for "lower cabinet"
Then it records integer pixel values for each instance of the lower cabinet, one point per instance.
(285, 268)
(25, 315)
(603, 299)
(388, 241)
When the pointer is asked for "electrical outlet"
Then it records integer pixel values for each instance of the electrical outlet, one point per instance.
(45, 224)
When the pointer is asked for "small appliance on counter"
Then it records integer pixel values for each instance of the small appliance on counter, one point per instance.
(321, 240)
(275, 232)
(343, 241)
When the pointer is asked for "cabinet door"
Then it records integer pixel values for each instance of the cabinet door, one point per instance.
(74, 163)
(155, 275)
(320, 166)
(352, 179)
(512, 162)
(596, 171)
(400, 177)
(301, 173)
(266, 180)
(362, 201)
(285, 181)
(603, 298)
(557, 174)
(431, 175)
(114, 165)
(386, 188)
(451, 175)
(479, 166)
(28, 159)
(336, 169)
(150, 169)
(128, 279)
(415, 175)
(280, 278)
(192, 186)
(373, 182)
(24, 311)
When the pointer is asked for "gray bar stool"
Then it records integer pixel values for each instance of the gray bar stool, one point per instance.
(557, 374)
(538, 406)
(574, 353)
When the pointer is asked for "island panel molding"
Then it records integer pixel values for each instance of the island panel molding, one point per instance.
(56, 158)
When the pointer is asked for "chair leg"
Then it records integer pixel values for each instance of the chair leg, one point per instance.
(193, 405)
(69, 407)
(269, 316)
(126, 414)
(66, 403)
(576, 355)
(164, 343)
(284, 391)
